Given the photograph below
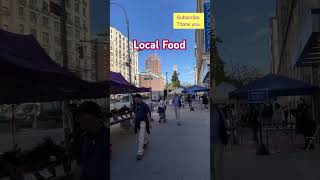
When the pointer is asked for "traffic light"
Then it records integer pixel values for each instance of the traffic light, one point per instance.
(81, 53)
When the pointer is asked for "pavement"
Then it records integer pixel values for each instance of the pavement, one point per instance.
(175, 152)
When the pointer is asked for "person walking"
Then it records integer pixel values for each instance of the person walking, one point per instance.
(142, 119)
(205, 101)
(189, 100)
(177, 107)
(219, 138)
(92, 143)
(253, 122)
(305, 125)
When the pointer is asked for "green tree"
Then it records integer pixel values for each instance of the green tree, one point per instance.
(175, 82)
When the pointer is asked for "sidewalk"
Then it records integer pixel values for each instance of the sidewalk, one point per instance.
(175, 152)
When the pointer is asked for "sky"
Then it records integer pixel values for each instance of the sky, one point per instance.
(244, 28)
(152, 19)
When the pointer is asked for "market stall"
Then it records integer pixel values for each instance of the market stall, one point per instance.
(268, 88)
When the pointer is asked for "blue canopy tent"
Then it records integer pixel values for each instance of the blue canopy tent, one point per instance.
(276, 85)
(194, 89)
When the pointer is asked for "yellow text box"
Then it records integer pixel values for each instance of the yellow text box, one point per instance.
(188, 20)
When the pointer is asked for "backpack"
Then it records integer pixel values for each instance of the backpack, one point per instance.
(180, 104)
(223, 129)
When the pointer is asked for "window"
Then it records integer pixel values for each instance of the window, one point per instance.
(77, 21)
(33, 17)
(33, 32)
(32, 4)
(69, 32)
(21, 28)
(57, 40)
(84, 11)
(45, 6)
(57, 26)
(76, 7)
(45, 21)
(45, 37)
(21, 11)
(84, 24)
(77, 34)
(5, 27)
(69, 44)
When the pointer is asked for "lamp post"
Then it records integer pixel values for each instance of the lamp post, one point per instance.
(127, 22)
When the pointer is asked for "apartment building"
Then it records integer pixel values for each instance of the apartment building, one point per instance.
(274, 45)
(119, 56)
(100, 55)
(34, 17)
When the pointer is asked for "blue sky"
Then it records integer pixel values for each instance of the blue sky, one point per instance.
(243, 26)
(152, 19)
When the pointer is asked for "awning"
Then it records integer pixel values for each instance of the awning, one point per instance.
(194, 89)
(276, 85)
(308, 45)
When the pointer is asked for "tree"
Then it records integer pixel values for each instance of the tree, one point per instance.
(240, 75)
(175, 82)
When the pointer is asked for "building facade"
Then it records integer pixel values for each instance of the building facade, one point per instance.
(202, 53)
(152, 77)
(274, 45)
(119, 56)
(298, 27)
(100, 54)
(34, 17)
(153, 64)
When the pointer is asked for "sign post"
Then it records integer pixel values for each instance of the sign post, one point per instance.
(207, 24)
(258, 97)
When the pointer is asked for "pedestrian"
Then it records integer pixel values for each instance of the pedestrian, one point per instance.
(177, 107)
(286, 114)
(253, 122)
(219, 138)
(94, 149)
(142, 119)
(267, 114)
(189, 100)
(305, 125)
(278, 116)
(205, 101)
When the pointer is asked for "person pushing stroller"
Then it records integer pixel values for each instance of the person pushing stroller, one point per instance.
(162, 110)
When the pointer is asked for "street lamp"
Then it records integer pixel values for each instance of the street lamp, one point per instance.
(127, 22)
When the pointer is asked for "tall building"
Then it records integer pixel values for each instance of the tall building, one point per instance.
(34, 17)
(153, 64)
(152, 77)
(175, 68)
(274, 45)
(202, 50)
(119, 56)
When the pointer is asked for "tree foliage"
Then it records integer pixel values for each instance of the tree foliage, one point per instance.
(175, 82)
(241, 74)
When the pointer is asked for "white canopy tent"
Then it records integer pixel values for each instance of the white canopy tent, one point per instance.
(178, 91)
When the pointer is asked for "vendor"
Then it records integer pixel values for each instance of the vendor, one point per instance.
(93, 143)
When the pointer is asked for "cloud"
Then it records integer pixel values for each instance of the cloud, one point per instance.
(249, 19)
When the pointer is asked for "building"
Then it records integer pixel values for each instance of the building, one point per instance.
(274, 45)
(119, 56)
(151, 80)
(152, 77)
(202, 50)
(34, 17)
(153, 64)
(100, 54)
(298, 26)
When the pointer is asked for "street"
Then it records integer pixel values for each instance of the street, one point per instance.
(175, 152)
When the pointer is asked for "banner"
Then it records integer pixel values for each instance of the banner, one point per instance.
(207, 15)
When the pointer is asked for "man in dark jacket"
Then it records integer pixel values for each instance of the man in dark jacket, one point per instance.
(93, 143)
(142, 118)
